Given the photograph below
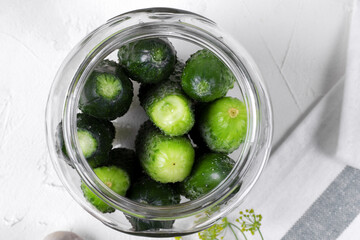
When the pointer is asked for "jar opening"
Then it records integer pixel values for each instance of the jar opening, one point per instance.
(173, 31)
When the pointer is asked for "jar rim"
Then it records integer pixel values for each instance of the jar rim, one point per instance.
(225, 53)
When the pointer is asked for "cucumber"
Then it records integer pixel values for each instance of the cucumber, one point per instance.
(149, 60)
(107, 93)
(165, 159)
(115, 178)
(148, 191)
(167, 105)
(95, 137)
(209, 170)
(205, 77)
(125, 159)
(223, 123)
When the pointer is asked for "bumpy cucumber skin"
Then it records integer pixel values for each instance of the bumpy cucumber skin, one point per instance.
(209, 170)
(120, 183)
(92, 103)
(149, 60)
(104, 133)
(151, 94)
(149, 142)
(206, 78)
(125, 159)
(146, 190)
(219, 130)
(146, 97)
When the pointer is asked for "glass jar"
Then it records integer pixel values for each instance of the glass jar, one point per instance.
(185, 27)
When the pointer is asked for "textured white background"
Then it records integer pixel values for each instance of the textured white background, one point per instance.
(299, 45)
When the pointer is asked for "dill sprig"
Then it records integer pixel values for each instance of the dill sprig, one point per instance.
(248, 221)
(214, 231)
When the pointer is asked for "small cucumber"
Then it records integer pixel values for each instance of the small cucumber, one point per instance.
(95, 137)
(223, 123)
(148, 191)
(165, 159)
(209, 170)
(205, 77)
(115, 178)
(149, 60)
(107, 93)
(167, 105)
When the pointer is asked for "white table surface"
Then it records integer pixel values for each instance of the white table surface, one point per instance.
(299, 46)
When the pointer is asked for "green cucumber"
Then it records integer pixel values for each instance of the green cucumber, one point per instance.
(107, 93)
(148, 191)
(115, 178)
(167, 105)
(223, 124)
(125, 159)
(209, 170)
(149, 60)
(205, 77)
(165, 159)
(95, 137)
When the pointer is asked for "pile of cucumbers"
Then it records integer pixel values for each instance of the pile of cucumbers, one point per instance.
(182, 149)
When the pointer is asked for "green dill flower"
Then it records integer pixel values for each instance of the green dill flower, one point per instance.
(214, 231)
(248, 220)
